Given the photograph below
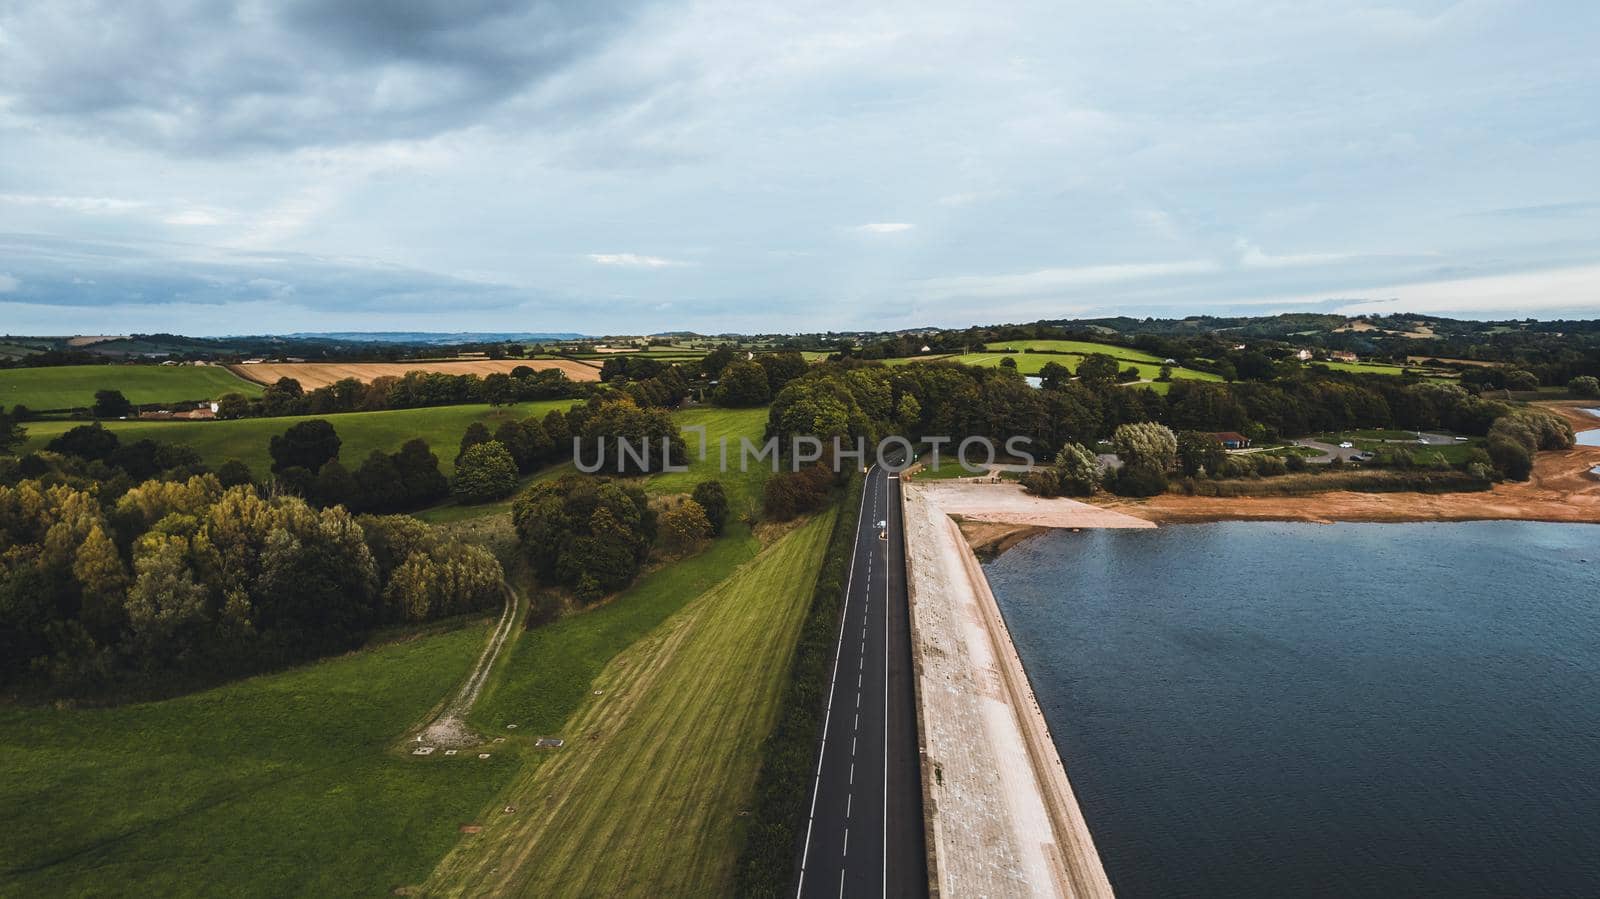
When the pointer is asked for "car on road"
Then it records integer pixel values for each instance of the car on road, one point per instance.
(1347, 445)
(883, 524)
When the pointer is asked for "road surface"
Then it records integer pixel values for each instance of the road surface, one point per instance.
(863, 835)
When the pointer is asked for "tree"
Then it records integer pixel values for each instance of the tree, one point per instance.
(742, 383)
(233, 473)
(713, 500)
(85, 442)
(12, 433)
(590, 534)
(1519, 379)
(477, 433)
(379, 485)
(782, 368)
(419, 473)
(1098, 371)
(684, 527)
(1585, 386)
(1008, 362)
(1165, 375)
(1146, 444)
(1077, 470)
(484, 472)
(282, 397)
(712, 363)
(1199, 451)
(1054, 376)
(110, 404)
(334, 486)
(233, 405)
(1129, 374)
(908, 412)
(307, 444)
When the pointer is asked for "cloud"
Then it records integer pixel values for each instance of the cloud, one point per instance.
(197, 75)
(193, 217)
(885, 227)
(8, 284)
(633, 260)
(1252, 256)
(1055, 280)
(87, 205)
(1573, 291)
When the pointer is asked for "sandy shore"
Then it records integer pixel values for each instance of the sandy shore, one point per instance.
(1003, 820)
(1562, 488)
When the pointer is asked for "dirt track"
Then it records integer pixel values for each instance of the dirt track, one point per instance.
(312, 375)
(1561, 489)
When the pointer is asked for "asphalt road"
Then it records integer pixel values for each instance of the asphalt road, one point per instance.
(864, 832)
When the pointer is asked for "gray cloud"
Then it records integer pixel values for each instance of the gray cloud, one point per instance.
(200, 76)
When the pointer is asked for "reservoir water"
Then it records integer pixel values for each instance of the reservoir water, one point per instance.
(1273, 710)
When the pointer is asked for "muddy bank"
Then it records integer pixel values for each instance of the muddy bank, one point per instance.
(1563, 488)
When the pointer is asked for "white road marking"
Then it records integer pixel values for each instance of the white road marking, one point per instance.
(827, 719)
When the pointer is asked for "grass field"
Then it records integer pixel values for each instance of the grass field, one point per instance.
(280, 785)
(362, 432)
(743, 488)
(644, 798)
(1382, 368)
(1033, 363)
(73, 386)
(1079, 348)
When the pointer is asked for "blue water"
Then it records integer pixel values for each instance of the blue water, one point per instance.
(1288, 710)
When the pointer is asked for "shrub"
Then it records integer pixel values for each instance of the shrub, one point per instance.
(683, 527)
(714, 500)
(1585, 385)
(484, 472)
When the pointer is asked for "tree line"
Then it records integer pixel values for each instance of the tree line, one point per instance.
(189, 581)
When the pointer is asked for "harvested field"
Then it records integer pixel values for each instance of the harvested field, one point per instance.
(312, 375)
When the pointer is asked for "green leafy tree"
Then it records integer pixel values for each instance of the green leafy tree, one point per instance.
(12, 433)
(233, 405)
(1199, 451)
(742, 383)
(1098, 371)
(85, 442)
(683, 527)
(713, 500)
(110, 404)
(476, 433)
(419, 472)
(232, 473)
(307, 444)
(1585, 386)
(484, 472)
(1077, 470)
(1054, 376)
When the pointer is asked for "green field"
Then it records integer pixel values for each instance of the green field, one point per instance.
(73, 386)
(246, 439)
(1382, 368)
(280, 785)
(644, 798)
(1077, 348)
(1033, 363)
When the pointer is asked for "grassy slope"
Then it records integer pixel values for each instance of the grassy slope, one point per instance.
(1079, 347)
(644, 798)
(362, 432)
(744, 488)
(73, 386)
(284, 784)
(1033, 363)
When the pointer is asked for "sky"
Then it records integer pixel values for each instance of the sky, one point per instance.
(614, 167)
